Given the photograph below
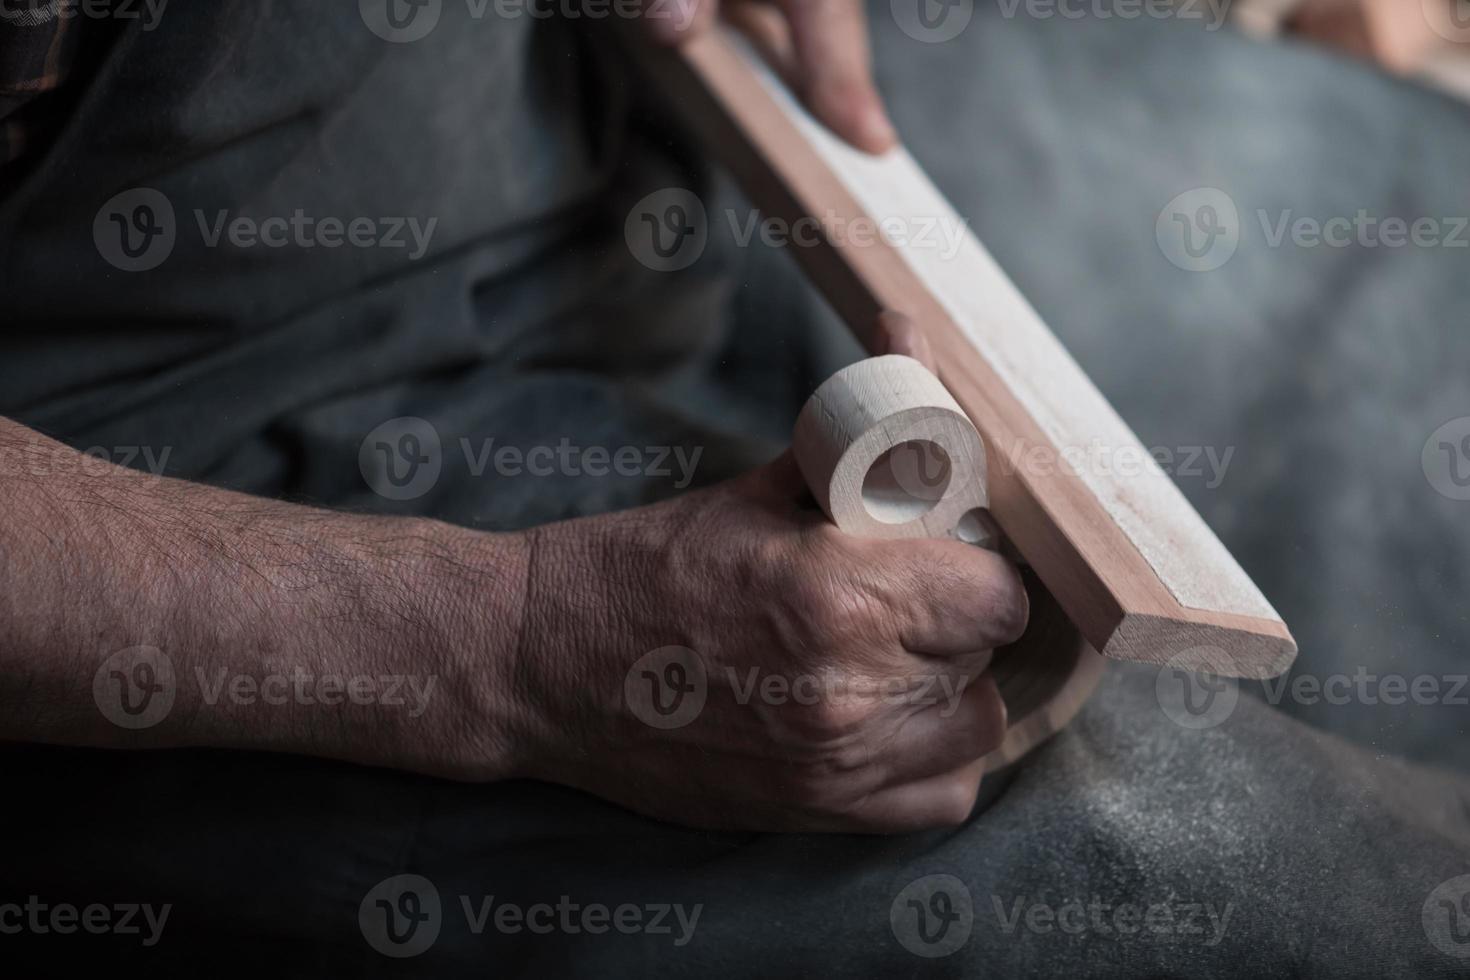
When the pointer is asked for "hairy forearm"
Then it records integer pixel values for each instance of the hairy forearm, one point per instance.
(275, 626)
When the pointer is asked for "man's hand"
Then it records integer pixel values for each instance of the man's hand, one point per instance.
(826, 682)
(822, 45)
(730, 659)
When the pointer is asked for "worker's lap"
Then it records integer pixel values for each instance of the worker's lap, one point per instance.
(1128, 843)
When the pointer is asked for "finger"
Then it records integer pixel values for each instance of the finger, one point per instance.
(899, 334)
(966, 720)
(834, 70)
(779, 480)
(946, 800)
(674, 21)
(955, 598)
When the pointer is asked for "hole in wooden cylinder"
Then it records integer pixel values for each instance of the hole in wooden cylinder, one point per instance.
(974, 528)
(906, 482)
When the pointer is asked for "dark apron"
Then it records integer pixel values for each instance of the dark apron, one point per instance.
(435, 230)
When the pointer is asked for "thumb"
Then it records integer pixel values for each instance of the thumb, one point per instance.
(780, 479)
(898, 334)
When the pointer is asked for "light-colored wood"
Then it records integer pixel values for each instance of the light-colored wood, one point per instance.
(888, 453)
(1132, 564)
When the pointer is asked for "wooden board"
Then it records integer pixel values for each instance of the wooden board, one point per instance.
(1129, 560)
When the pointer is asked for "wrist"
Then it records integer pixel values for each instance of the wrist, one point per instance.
(469, 623)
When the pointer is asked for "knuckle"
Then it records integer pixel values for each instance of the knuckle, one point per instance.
(831, 609)
(986, 719)
(852, 757)
(817, 791)
(831, 723)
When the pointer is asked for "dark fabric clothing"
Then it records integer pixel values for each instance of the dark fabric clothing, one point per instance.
(39, 45)
(1317, 859)
(528, 320)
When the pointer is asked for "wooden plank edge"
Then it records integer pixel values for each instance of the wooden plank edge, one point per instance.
(1148, 625)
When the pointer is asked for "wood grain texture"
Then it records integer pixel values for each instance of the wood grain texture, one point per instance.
(1129, 560)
